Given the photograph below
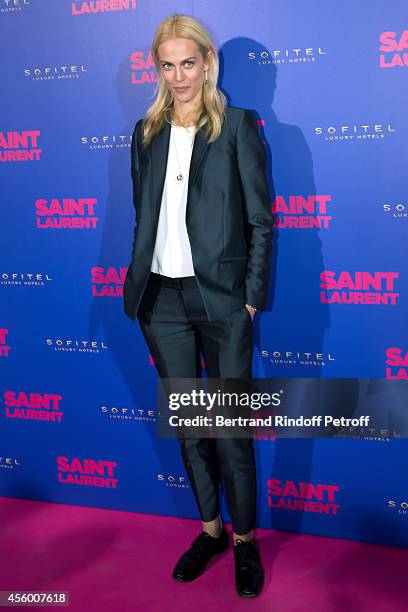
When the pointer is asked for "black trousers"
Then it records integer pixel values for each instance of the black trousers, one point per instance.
(174, 324)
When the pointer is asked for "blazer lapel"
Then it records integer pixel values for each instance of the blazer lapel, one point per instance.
(158, 161)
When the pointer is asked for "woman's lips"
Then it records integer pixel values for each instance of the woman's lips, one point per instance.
(181, 89)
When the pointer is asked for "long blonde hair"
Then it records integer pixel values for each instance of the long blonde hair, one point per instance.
(213, 100)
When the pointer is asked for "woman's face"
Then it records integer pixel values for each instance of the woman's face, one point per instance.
(182, 67)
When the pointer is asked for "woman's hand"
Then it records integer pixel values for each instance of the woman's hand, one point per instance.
(251, 310)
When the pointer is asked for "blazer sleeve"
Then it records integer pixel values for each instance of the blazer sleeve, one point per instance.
(252, 167)
(134, 164)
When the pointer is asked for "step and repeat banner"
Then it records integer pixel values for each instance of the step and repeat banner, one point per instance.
(328, 83)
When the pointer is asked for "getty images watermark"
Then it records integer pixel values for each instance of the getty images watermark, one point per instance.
(210, 401)
(279, 407)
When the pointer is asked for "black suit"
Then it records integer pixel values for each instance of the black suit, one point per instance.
(229, 225)
(228, 215)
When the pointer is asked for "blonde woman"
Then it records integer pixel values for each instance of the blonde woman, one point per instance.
(200, 267)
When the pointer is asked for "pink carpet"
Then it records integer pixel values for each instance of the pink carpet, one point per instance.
(114, 560)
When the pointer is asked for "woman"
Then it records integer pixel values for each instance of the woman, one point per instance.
(200, 267)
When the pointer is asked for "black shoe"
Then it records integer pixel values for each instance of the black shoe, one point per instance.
(192, 563)
(249, 574)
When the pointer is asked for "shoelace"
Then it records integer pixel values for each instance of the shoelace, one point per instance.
(199, 544)
(246, 552)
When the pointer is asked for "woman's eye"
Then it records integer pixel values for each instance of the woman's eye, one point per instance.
(191, 64)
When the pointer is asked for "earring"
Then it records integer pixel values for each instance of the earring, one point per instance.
(206, 77)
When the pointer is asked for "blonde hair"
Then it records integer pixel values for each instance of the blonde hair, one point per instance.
(213, 100)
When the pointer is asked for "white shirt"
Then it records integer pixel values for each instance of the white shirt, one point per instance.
(172, 251)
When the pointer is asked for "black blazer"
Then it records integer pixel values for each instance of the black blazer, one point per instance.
(228, 215)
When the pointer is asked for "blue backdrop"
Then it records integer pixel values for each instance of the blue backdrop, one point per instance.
(78, 387)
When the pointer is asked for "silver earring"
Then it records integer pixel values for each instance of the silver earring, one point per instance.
(206, 78)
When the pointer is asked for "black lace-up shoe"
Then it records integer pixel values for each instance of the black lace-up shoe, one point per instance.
(193, 562)
(249, 574)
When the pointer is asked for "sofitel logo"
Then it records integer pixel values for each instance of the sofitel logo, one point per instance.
(333, 133)
(66, 213)
(286, 56)
(12, 6)
(398, 211)
(27, 279)
(362, 433)
(76, 346)
(142, 68)
(9, 463)
(397, 363)
(171, 480)
(83, 7)
(302, 212)
(87, 472)
(50, 73)
(4, 348)
(353, 287)
(107, 142)
(400, 506)
(300, 358)
(20, 146)
(33, 406)
(108, 282)
(303, 496)
(129, 414)
(394, 46)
